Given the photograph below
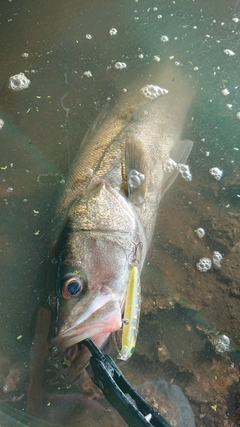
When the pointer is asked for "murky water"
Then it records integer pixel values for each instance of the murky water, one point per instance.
(72, 76)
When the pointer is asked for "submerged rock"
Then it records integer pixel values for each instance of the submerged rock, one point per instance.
(169, 401)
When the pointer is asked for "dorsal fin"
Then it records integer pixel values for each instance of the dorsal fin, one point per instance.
(180, 154)
(135, 166)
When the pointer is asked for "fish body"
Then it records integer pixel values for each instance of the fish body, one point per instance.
(109, 207)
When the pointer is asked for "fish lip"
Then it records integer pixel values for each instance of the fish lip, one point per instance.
(101, 300)
(108, 323)
(61, 343)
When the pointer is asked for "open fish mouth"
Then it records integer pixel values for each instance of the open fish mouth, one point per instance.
(68, 364)
(70, 358)
(97, 326)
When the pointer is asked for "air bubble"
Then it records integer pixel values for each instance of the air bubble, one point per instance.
(204, 264)
(235, 19)
(238, 115)
(156, 58)
(19, 82)
(87, 73)
(200, 232)
(164, 39)
(229, 52)
(1, 123)
(153, 92)
(184, 171)
(216, 173)
(169, 165)
(222, 344)
(217, 258)
(120, 65)
(225, 92)
(113, 32)
(88, 36)
(9, 190)
(135, 179)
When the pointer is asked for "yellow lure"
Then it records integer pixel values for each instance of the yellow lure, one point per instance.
(131, 316)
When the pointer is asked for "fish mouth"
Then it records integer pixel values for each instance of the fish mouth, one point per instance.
(68, 356)
(93, 324)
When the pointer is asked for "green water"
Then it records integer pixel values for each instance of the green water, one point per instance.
(44, 125)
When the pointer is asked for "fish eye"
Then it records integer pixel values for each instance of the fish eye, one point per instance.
(72, 287)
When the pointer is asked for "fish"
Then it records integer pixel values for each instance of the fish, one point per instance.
(109, 207)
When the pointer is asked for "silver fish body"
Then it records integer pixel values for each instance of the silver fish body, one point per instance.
(110, 204)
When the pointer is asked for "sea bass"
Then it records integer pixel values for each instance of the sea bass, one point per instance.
(110, 205)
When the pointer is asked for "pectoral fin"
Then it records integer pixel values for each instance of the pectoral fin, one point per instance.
(135, 167)
(179, 154)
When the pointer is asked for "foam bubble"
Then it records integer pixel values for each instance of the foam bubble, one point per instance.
(156, 58)
(229, 52)
(113, 31)
(135, 179)
(238, 115)
(19, 82)
(200, 232)
(169, 165)
(87, 73)
(217, 258)
(164, 39)
(216, 173)
(1, 123)
(120, 65)
(225, 92)
(153, 91)
(88, 36)
(9, 190)
(222, 344)
(184, 171)
(204, 264)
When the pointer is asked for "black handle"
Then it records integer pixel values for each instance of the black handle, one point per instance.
(119, 393)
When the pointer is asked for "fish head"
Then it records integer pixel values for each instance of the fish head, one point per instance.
(95, 260)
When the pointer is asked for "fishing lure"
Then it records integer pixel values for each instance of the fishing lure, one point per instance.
(131, 316)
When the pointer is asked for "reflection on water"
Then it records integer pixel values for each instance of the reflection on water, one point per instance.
(72, 76)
